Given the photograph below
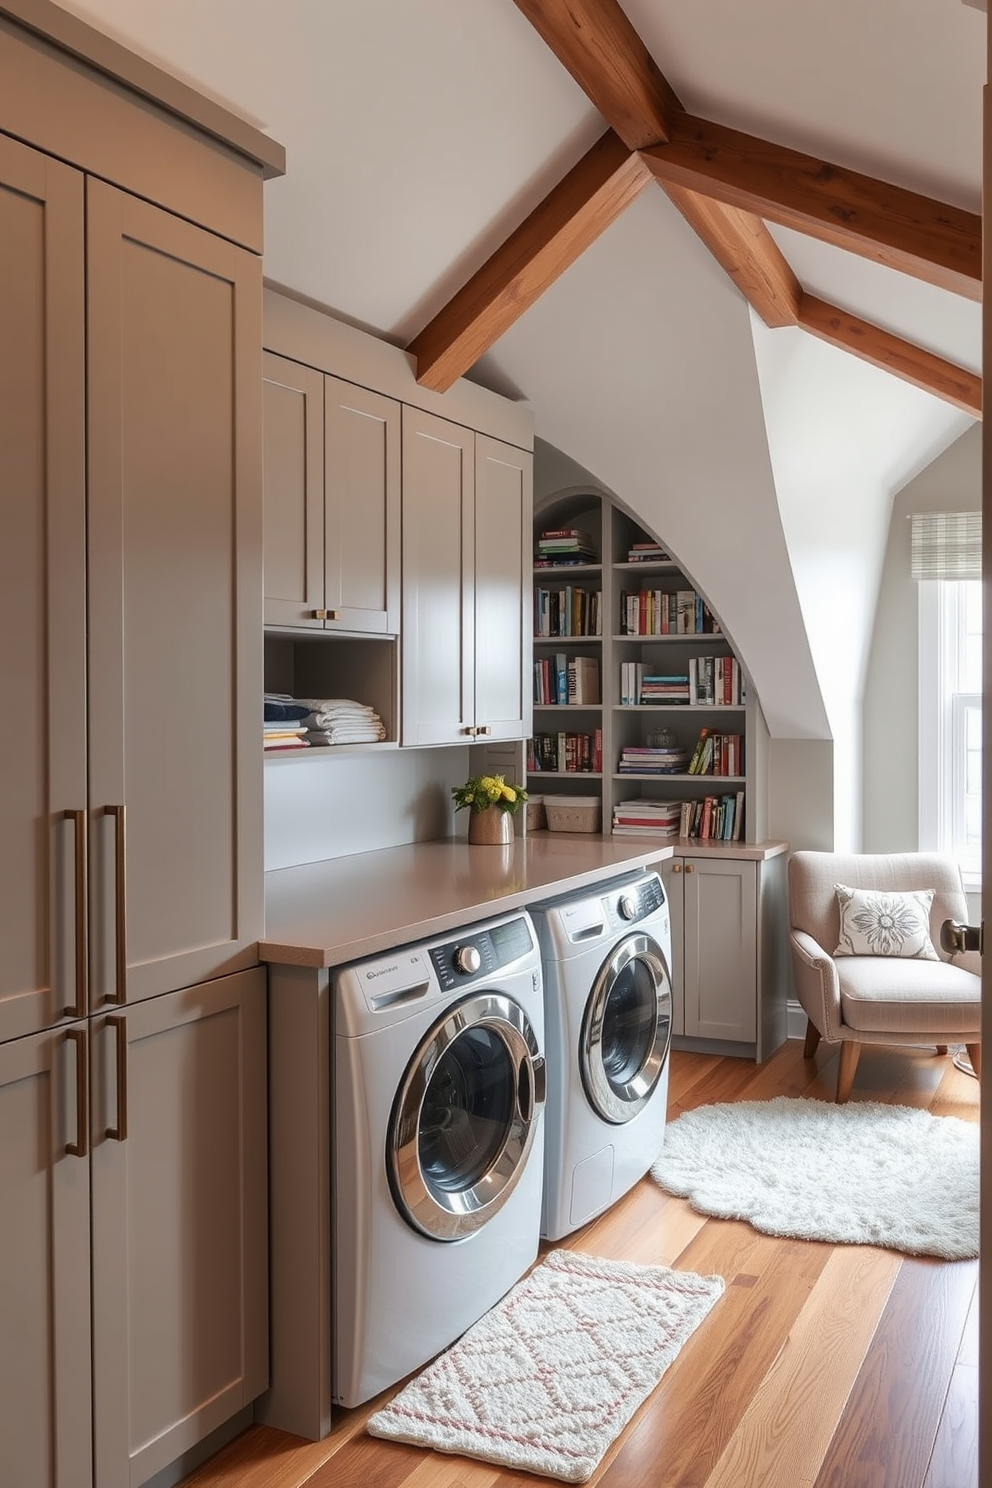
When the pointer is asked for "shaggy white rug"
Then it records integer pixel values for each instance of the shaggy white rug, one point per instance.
(546, 1380)
(863, 1173)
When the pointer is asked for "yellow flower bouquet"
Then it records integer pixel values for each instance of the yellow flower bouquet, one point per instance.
(483, 791)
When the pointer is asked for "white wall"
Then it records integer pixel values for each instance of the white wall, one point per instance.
(842, 437)
(891, 706)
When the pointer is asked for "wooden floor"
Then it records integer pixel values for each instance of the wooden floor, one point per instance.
(822, 1366)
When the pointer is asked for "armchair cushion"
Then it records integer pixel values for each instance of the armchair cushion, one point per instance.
(880, 995)
(885, 922)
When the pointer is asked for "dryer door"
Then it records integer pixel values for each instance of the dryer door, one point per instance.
(463, 1121)
(626, 1030)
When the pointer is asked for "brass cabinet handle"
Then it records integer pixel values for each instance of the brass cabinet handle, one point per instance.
(470, 731)
(485, 729)
(676, 867)
(689, 868)
(119, 1024)
(81, 1146)
(120, 896)
(325, 614)
(77, 1009)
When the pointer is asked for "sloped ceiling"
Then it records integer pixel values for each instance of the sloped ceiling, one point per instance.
(419, 133)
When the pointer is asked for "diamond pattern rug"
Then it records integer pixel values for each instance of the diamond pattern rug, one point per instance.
(548, 1378)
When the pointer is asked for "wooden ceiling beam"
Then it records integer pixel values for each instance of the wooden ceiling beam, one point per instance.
(581, 206)
(742, 245)
(882, 349)
(927, 239)
(595, 42)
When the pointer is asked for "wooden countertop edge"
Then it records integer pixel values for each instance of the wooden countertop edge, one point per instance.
(334, 947)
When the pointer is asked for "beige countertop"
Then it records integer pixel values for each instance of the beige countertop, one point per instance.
(341, 909)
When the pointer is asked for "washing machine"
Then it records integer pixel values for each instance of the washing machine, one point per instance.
(438, 1145)
(608, 1026)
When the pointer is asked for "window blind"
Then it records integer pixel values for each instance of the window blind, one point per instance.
(946, 545)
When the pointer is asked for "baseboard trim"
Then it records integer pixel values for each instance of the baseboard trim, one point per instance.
(796, 1019)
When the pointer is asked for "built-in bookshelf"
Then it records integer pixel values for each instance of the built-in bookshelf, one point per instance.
(666, 722)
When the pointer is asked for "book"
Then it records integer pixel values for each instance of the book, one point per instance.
(695, 761)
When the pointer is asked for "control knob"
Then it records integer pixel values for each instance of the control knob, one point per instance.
(627, 905)
(467, 960)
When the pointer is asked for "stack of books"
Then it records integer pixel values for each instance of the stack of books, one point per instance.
(714, 818)
(645, 759)
(562, 679)
(564, 752)
(567, 612)
(717, 754)
(647, 552)
(643, 817)
(564, 545)
(714, 680)
(639, 684)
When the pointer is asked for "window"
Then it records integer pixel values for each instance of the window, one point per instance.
(951, 720)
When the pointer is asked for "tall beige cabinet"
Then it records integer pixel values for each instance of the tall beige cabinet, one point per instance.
(132, 1010)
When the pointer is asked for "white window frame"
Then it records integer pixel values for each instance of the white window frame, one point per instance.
(942, 711)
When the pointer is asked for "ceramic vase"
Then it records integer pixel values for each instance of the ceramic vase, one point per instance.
(491, 827)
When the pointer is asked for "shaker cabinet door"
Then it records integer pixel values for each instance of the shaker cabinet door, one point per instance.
(175, 644)
(438, 646)
(180, 1324)
(45, 1432)
(503, 629)
(361, 509)
(42, 592)
(719, 946)
(293, 486)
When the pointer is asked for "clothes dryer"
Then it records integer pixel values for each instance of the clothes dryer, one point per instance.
(608, 1026)
(438, 1142)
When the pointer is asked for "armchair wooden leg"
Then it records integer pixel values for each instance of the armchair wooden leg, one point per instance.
(849, 1055)
(812, 1039)
(941, 1048)
(975, 1055)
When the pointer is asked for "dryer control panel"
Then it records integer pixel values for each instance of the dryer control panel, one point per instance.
(480, 952)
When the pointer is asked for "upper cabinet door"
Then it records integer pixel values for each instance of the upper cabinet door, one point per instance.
(42, 592)
(361, 509)
(293, 485)
(438, 645)
(503, 514)
(175, 583)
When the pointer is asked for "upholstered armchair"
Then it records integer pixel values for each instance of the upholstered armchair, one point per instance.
(905, 990)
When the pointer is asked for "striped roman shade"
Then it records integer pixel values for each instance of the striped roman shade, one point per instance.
(946, 545)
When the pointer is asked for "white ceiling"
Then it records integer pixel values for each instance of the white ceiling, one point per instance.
(420, 132)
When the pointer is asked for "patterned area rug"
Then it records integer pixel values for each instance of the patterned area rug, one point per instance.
(862, 1174)
(550, 1376)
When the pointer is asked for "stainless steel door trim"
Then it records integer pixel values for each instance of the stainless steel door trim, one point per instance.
(448, 1214)
(619, 1103)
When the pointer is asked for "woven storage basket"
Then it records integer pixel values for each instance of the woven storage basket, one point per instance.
(572, 813)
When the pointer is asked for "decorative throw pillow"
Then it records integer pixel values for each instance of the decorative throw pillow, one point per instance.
(882, 922)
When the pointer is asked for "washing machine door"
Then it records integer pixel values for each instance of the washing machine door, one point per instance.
(626, 1029)
(464, 1118)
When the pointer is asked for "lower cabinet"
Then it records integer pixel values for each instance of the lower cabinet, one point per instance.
(133, 1231)
(728, 949)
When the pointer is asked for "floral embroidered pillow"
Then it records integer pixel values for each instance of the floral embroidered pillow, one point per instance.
(882, 922)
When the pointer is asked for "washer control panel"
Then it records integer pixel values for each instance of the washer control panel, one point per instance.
(480, 952)
(636, 901)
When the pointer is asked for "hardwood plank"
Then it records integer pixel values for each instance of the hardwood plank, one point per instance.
(792, 1416)
(955, 385)
(703, 1397)
(887, 1432)
(954, 1463)
(742, 246)
(262, 1457)
(930, 240)
(595, 42)
(581, 206)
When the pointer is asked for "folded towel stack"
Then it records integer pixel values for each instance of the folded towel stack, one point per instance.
(283, 726)
(341, 721)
